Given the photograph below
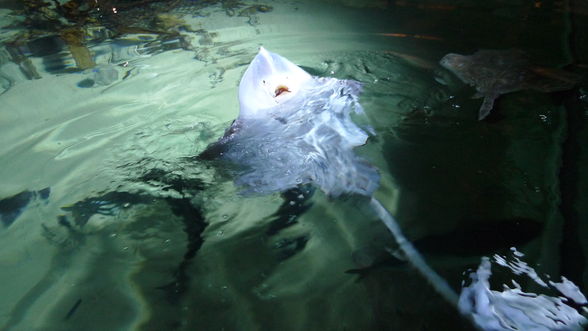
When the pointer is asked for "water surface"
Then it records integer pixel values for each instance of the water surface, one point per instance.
(109, 222)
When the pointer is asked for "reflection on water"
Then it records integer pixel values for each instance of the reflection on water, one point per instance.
(109, 222)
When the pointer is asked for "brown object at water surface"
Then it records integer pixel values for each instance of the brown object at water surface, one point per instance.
(74, 38)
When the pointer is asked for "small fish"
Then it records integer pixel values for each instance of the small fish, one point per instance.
(496, 72)
(73, 309)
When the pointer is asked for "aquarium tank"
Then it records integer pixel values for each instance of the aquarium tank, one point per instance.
(293, 165)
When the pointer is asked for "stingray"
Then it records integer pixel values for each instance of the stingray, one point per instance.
(497, 72)
(295, 129)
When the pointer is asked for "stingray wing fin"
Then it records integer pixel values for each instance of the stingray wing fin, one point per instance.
(487, 106)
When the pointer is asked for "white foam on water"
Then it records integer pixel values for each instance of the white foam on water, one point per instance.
(512, 308)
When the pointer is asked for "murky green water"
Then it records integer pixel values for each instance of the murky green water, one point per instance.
(108, 222)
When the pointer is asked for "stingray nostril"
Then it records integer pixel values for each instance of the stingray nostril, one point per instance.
(281, 89)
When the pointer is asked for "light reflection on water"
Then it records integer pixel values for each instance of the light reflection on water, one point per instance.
(134, 229)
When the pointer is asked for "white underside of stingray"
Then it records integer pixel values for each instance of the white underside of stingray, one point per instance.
(270, 80)
(294, 129)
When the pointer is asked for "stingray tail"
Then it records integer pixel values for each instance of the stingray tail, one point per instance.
(413, 256)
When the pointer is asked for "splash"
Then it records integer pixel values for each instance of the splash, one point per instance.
(513, 308)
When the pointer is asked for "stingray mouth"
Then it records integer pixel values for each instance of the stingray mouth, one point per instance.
(280, 90)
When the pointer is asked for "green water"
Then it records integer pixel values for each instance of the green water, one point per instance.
(122, 229)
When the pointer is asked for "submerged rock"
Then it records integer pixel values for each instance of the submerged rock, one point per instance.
(496, 72)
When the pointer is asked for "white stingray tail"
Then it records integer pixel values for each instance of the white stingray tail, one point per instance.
(413, 256)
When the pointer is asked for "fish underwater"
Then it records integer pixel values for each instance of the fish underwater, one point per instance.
(497, 72)
(295, 130)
